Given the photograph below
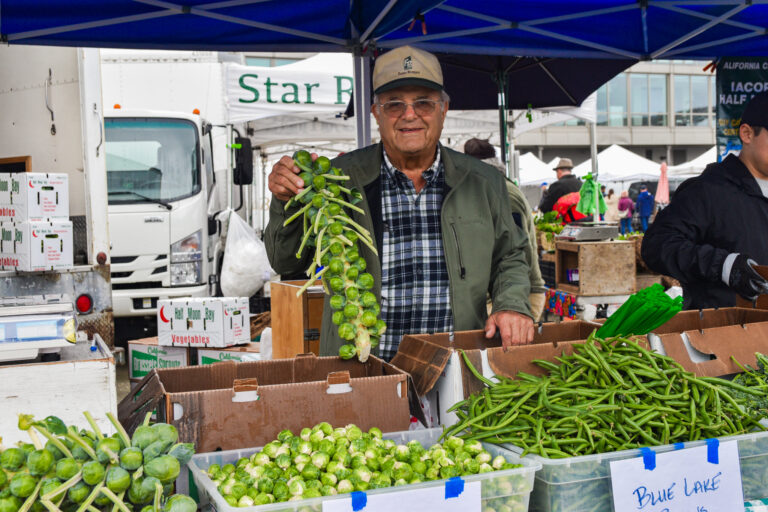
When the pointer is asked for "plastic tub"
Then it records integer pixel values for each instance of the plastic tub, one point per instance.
(508, 490)
(583, 484)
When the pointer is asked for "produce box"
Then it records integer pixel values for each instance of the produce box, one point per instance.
(506, 490)
(583, 484)
(249, 352)
(441, 376)
(26, 196)
(704, 341)
(228, 405)
(203, 322)
(144, 355)
(82, 380)
(36, 245)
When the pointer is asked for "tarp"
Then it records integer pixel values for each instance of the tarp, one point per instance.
(628, 29)
(533, 171)
(618, 164)
(694, 167)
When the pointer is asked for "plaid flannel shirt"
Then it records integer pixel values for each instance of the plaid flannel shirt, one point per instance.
(415, 292)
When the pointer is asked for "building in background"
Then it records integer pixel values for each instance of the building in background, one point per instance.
(655, 109)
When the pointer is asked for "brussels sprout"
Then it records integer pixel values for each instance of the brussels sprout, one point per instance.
(284, 435)
(433, 472)
(12, 459)
(483, 457)
(320, 460)
(374, 431)
(39, 462)
(67, 468)
(280, 491)
(180, 503)
(118, 479)
(107, 448)
(473, 447)
(454, 443)
(337, 301)
(144, 436)
(78, 453)
(328, 490)
(263, 499)
(182, 452)
(154, 450)
(347, 351)
(50, 485)
(165, 468)
(57, 454)
(472, 467)
(260, 458)
(345, 486)
(166, 433)
(27, 448)
(22, 485)
(10, 504)
(402, 453)
(3, 479)
(78, 492)
(313, 484)
(137, 494)
(310, 472)
(485, 468)
(296, 486)
(239, 490)
(93, 472)
(303, 158)
(419, 467)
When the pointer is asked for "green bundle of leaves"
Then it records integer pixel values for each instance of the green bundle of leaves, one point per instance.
(329, 229)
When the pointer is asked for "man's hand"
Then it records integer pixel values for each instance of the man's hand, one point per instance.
(515, 328)
(284, 182)
(745, 280)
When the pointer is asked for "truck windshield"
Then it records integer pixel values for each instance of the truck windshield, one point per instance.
(151, 159)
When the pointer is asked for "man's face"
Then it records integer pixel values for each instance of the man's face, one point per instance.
(755, 149)
(410, 133)
(562, 171)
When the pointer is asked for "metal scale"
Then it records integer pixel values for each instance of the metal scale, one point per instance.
(29, 329)
(588, 232)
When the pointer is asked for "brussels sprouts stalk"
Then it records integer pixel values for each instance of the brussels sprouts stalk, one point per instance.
(148, 417)
(120, 430)
(360, 229)
(63, 487)
(344, 203)
(310, 282)
(35, 439)
(115, 508)
(303, 243)
(138, 473)
(32, 498)
(158, 495)
(296, 215)
(94, 493)
(334, 177)
(79, 440)
(296, 198)
(50, 506)
(93, 425)
(117, 501)
(55, 440)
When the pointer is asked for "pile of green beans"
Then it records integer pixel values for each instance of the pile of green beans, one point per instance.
(608, 395)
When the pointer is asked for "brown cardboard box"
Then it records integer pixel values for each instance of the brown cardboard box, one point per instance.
(232, 405)
(441, 376)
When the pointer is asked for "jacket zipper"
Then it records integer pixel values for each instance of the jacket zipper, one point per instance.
(463, 271)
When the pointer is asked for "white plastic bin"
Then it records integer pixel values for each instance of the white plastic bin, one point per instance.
(502, 491)
(583, 484)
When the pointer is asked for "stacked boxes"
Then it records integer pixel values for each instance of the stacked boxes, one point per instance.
(203, 322)
(35, 231)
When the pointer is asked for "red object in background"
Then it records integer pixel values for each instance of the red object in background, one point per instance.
(566, 207)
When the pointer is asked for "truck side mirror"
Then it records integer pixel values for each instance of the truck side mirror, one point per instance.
(243, 174)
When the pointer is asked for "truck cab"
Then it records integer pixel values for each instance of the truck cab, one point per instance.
(163, 197)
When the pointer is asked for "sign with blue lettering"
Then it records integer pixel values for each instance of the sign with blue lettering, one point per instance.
(702, 479)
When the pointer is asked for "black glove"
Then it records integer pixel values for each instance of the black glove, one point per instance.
(745, 280)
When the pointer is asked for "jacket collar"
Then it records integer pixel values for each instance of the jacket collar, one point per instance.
(369, 165)
(734, 171)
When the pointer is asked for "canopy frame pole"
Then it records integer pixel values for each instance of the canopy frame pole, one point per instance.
(391, 43)
(576, 40)
(694, 33)
(593, 155)
(501, 83)
(704, 16)
(726, 40)
(540, 21)
(558, 83)
(91, 24)
(362, 97)
(377, 20)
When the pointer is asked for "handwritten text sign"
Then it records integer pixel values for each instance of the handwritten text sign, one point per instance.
(420, 499)
(702, 479)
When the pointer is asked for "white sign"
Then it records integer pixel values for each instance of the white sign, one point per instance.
(702, 479)
(254, 92)
(412, 500)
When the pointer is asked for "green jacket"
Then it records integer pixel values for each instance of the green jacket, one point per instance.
(484, 249)
(521, 207)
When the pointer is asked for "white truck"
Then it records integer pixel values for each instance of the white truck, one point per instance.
(168, 176)
(51, 121)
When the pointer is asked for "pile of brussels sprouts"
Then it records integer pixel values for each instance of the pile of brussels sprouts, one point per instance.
(81, 470)
(329, 229)
(323, 461)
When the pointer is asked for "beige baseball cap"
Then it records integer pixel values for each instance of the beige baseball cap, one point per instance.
(406, 65)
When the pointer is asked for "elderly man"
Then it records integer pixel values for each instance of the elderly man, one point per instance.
(566, 183)
(441, 220)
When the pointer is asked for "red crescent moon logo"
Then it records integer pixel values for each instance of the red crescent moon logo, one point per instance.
(31, 185)
(34, 234)
(162, 315)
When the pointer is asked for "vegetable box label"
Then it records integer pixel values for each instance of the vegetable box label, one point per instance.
(34, 196)
(144, 358)
(701, 479)
(203, 322)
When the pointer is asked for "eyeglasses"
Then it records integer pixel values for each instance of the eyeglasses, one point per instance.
(397, 108)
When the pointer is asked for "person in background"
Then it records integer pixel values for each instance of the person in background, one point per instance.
(521, 212)
(565, 184)
(442, 228)
(611, 206)
(714, 229)
(625, 208)
(645, 207)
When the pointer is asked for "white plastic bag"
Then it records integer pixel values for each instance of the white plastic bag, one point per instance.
(265, 344)
(245, 267)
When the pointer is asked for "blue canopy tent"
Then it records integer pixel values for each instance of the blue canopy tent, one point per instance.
(591, 29)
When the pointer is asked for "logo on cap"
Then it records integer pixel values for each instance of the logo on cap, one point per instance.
(407, 63)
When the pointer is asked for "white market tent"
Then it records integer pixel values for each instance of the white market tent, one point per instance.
(695, 166)
(616, 164)
(533, 171)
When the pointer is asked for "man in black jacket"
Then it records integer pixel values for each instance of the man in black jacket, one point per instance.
(716, 227)
(565, 184)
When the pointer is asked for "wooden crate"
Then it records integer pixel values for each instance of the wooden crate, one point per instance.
(646, 280)
(605, 268)
(293, 316)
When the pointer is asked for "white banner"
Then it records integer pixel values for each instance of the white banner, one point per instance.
(320, 84)
(551, 115)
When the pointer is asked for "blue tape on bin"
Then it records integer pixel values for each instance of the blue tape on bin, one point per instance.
(713, 446)
(649, 458)
(679, 446)
(454, 487)
(359, 500)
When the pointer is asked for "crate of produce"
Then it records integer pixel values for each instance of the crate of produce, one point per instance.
(583, 484)
(504, 490)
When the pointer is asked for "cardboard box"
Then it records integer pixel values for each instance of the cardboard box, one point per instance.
(439, 372)
(230, 405)
(295, 318)
(36, 245)
(33, 196)
(249, 352)
(145, 355)
(203, 322)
